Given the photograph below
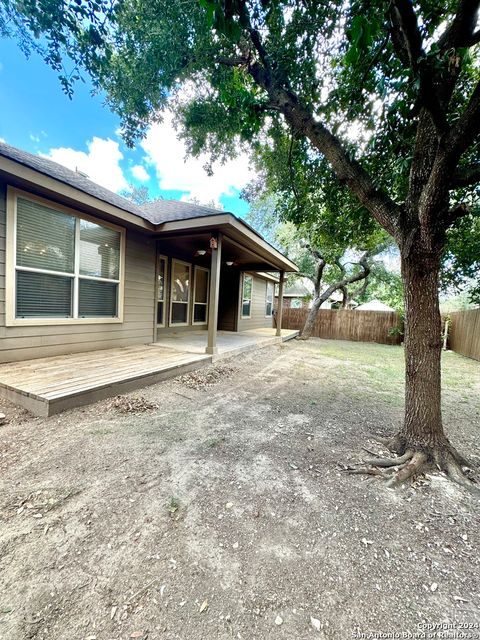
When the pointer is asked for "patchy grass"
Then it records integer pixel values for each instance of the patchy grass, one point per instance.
(214, 507)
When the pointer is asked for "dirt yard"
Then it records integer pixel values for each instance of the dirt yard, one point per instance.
(214, 507)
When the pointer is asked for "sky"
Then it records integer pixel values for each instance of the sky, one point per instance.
(82, 133)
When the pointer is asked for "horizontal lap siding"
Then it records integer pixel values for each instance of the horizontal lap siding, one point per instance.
(257, 319)
(23, 343)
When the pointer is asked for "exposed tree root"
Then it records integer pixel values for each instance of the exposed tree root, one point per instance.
(390, 462)
(411, 461)
(413, 468)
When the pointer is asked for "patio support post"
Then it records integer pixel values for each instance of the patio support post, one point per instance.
(216, 263)
(280, 303)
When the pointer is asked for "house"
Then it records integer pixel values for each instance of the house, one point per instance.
(83, 269)
(298, 295)
(336, 302)
(374, 305)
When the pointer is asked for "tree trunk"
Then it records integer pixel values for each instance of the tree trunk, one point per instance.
(422, 429)
(312, 316)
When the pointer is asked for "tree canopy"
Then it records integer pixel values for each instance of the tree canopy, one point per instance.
(385, 93)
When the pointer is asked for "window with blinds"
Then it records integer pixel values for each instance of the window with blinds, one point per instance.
(65, 266)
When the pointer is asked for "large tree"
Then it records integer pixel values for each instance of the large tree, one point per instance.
(333, 251)
(386, 92)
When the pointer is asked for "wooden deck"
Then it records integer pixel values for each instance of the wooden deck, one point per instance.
(46, 386)
(50, 385)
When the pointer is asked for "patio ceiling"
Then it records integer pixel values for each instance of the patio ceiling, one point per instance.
(242, 257)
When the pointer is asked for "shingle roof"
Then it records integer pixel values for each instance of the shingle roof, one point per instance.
(72, 178)
(159, 211)
(298, 290)
(155, 212)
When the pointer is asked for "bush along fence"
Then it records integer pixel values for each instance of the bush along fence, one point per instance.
(464, 333)
(342, 324)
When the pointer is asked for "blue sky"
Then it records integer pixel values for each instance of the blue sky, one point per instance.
(82, 133)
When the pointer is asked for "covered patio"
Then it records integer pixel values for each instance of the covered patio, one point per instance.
(46, 386)
(228, 343)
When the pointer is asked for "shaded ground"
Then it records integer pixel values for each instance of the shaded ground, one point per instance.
(213, 507)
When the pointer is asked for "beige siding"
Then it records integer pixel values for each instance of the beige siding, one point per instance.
(257, 319)
(22, 343)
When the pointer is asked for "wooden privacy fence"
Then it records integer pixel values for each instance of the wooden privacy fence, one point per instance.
(464, 334)
(343, 324)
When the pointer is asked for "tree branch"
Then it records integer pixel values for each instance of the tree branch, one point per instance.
(348, 170)
(475, 39)
(461, 32)
(345, 281)
(465, 176)
(291, 170)
(409, 47)
(466, 129)
(404, 20)
(457, 212)
(301, 120)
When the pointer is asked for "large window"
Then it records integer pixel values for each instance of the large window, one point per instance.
(247, 296)
(269, 299)
(65, 267)
(161, 290)
(200, 300)
(180, 293)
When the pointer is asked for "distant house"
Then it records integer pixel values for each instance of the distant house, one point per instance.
(374, 305)
(300, 296)
(297, 296)
(336, 302)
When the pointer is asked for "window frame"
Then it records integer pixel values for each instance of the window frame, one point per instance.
(165, 291)
(172, 301)
(196, 269)
(11, 266)
(243, 317)
(267, 301)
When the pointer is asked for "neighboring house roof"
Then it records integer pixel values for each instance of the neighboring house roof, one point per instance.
(300, 289)
(374, 305)
(158, 212)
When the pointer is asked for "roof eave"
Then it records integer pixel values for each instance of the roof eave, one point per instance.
(225, 221)
(38, 179)
(52, 187)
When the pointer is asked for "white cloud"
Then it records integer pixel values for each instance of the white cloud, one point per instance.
(34, 138)
(140, 173)
(177, 172)
(3, 140)
(101, 163)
